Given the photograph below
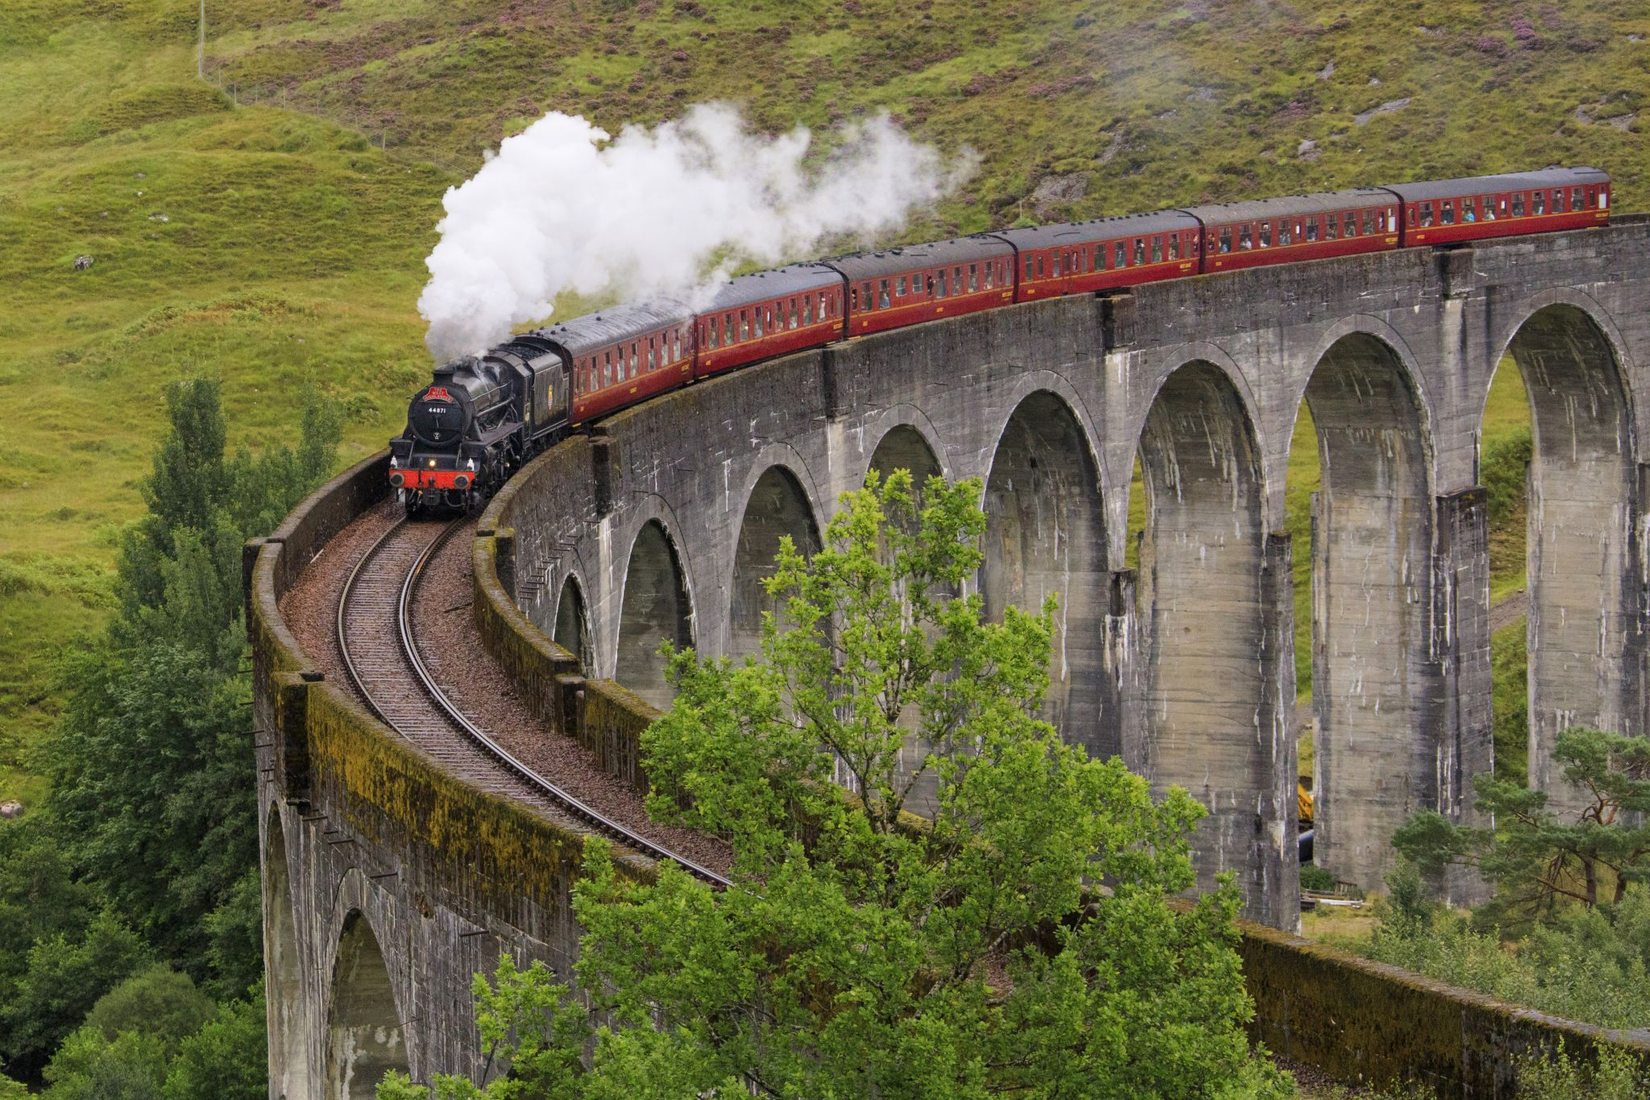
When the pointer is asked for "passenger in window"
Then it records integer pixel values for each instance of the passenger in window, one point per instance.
(1518, 205)
(1120, 255)
(1311, 231)
(882, 295)
(1174, 246)
(1157, 250)
(1469, 212)
(1139, 251)
(1226, 239)
(941, 291)
(853, 297)
(1426, 214)
(1449, 212)
(1576, 200)
(1539, 206)
(899, 286)
(973, 276)
(1330, 229)
(1054, 264)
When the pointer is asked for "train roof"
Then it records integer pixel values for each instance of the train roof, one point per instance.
(916, 257)
(763, 286)
(1579, 176)
(1318, 202)
(609, 326)
(1099, 229)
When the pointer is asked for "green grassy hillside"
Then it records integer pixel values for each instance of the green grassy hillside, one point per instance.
(267, 227)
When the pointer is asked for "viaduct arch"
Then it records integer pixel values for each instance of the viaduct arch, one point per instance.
(658, 525)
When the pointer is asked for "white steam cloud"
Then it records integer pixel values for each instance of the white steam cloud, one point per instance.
(562, 207)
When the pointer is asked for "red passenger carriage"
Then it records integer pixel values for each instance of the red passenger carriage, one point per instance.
(1444, 211)
(1301, 227)
(905, 286)
(766, 314)
(1104, 253)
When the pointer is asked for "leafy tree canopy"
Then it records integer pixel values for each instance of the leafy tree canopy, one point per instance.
(1539, 858)
(1019, 941)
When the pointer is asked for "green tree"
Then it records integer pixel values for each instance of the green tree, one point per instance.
(1021, 940)
(92, 1066)
(1537, 858)
(151, 770)
(65, 975)
(157, 1002)
(227, 1059)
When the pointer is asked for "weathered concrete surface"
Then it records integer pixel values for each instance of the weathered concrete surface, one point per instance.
(1177, 668)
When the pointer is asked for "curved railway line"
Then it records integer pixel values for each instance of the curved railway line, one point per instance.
(383, 662)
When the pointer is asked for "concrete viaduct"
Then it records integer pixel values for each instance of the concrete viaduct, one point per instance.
(662, 524)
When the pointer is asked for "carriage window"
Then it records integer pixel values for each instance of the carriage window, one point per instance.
(1246, 238)
(1174, 246)
(1558, 200)
(1518, 205)
(1157, 250)
(1139, 251)
(1448, 213)
(1489, 208)
(650, 360)
(1028, 267)
(882, 294)
(899, 286)
(1576, 200)
(1120, 255)
(1539, 205)
(1426, 214)
(744, 324)
(990, 275)
(1226, 239)
(1369, 222)
(1054, 265)
(633, 359)
(1469, 210)
(1311, 230)
(940, 287)
(1287, 233)
(1331, 227)
(760, 314)
(1349, 225)
(1099, 258)
(607, 367)
(973, 276)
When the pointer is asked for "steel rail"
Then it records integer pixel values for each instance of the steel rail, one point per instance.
(499, 755)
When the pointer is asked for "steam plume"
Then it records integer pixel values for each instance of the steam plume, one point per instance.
(562, 207)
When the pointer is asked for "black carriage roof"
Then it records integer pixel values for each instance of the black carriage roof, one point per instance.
(1579, 176)
(610, 326)
(914, 257)
(1317, 202)
(1098, 229)
(763, 286)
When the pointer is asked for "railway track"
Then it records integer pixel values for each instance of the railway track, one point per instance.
(381, 656)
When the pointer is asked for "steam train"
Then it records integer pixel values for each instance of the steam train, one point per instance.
(485, 415)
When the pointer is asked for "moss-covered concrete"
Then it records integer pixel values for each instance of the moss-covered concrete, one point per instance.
(1366, 1022)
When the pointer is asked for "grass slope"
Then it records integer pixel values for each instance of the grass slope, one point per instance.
(268, 228)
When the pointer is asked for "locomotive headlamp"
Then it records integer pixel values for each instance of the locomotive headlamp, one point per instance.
(432, 463)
